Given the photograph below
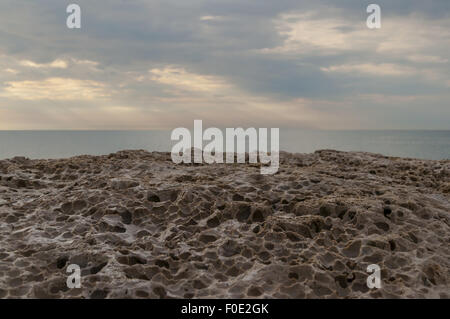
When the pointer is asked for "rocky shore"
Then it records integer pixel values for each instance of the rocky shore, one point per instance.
(140, 226)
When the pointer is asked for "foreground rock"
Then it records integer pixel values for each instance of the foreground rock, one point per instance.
(140, 226)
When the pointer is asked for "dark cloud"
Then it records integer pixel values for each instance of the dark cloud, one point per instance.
(128, 38)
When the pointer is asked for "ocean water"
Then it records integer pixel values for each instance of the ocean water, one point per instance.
(61, 144)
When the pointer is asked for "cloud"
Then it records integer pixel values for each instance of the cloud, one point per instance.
(312, 32)
(182, 79)
(11, 71)
(161, 64)
(58, 64)
(307, 32)
(54, 89)
(211, 18)
(383, 69)
(427, 59)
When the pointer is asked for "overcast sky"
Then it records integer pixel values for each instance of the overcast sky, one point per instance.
(146, 64)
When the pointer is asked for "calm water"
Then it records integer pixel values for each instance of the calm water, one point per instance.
(59, 144)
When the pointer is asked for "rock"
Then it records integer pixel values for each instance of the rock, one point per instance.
(121, 184)
(352, 250)
(140, 226)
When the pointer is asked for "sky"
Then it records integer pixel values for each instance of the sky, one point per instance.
(145, 64)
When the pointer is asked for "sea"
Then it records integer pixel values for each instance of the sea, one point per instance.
(62, 144)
